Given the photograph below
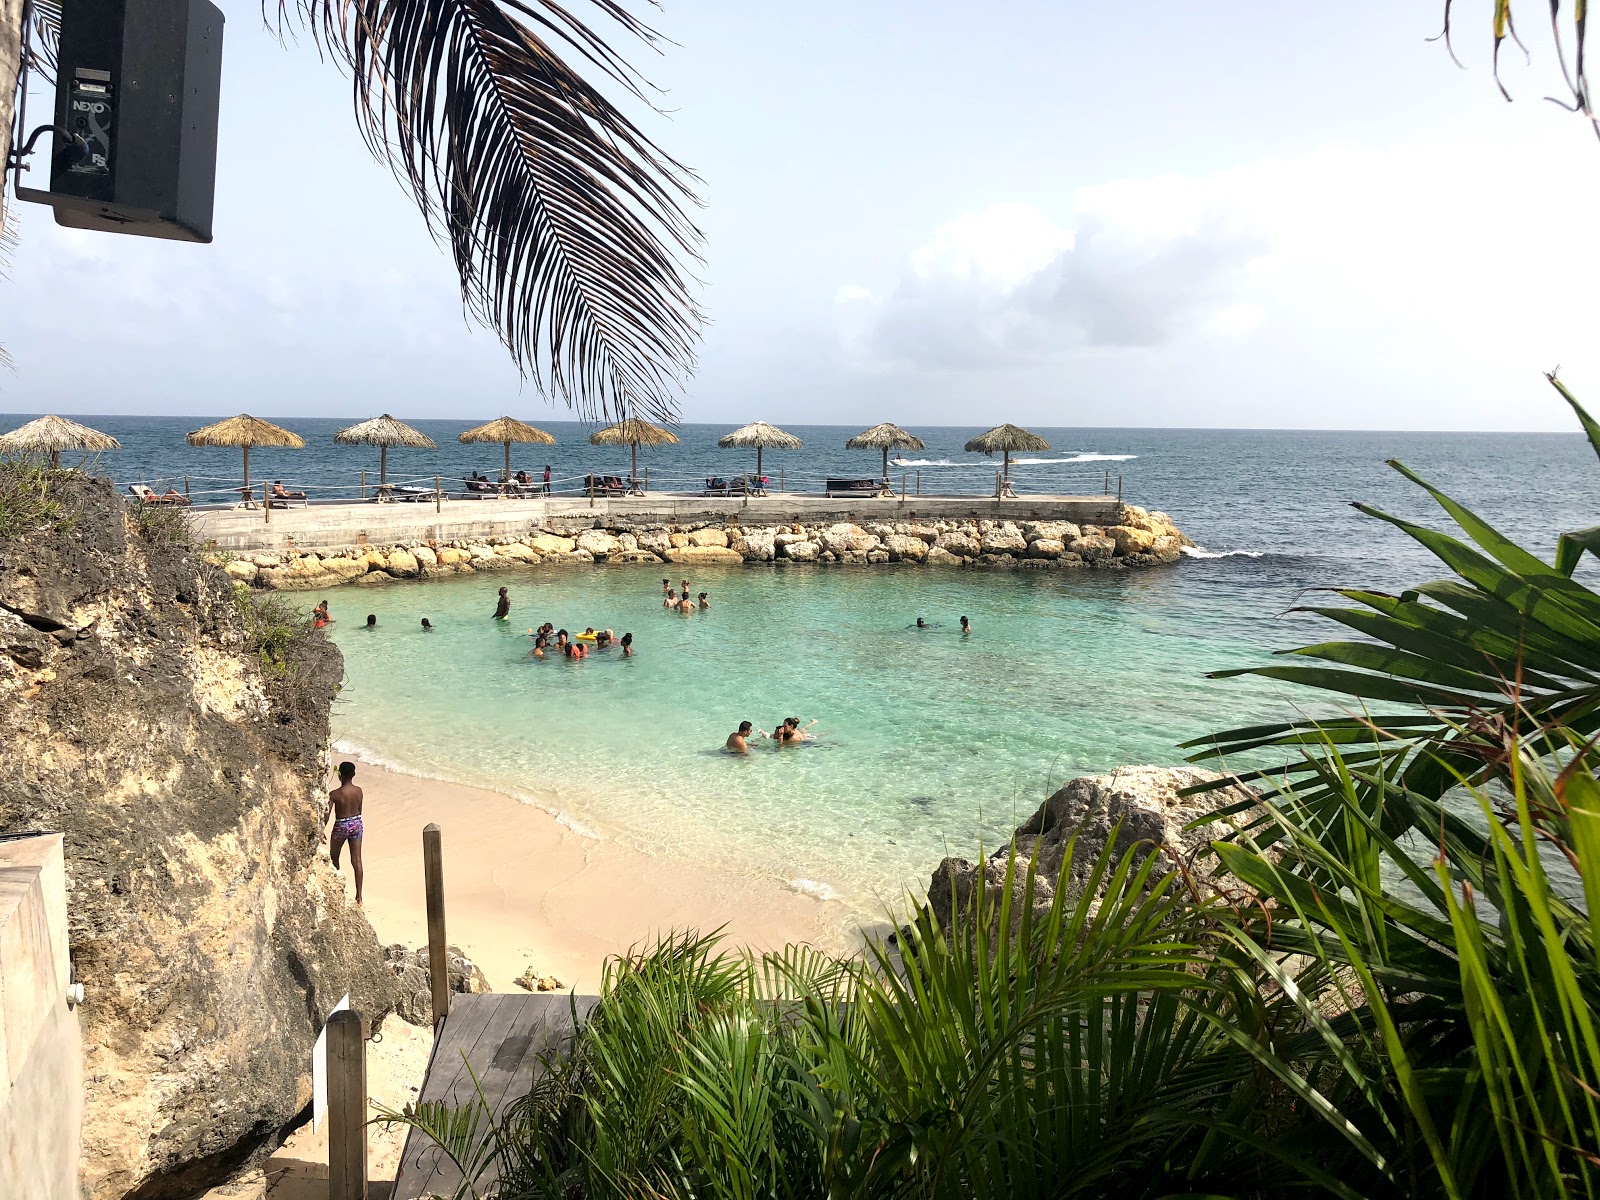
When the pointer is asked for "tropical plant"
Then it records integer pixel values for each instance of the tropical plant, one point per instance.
(567, 224)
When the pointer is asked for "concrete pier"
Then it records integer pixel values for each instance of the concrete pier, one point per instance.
(341, 527)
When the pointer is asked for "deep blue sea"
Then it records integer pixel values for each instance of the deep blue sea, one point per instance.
(929, 742)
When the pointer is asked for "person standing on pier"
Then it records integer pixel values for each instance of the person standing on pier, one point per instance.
(546, 483)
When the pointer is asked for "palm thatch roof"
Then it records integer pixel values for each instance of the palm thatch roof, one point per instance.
(632, 432)
(245, 430)
(761, 435)
(1006, 439)
(885, 437)
(384, 431)
(52, 435)
(507, 429)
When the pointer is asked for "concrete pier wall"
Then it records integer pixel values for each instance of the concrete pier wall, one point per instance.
(333, 527)
(41, 1047)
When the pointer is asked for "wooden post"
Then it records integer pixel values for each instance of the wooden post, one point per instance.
(1108, 481)
(902, 485)
(347, 1106)
(363, 483)
(185, 487)
(266, 502)
(1119, 489)
(919, 482)
(438, 494)
(438, 955)
(781, 480)
(647, 478)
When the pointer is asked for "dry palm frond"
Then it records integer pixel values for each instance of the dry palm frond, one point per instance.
(760, 435)
(885, 437)
(632, 432)
(1006, 439)
(245, 430)
(507, 429)
(384, 431)
(566, 222)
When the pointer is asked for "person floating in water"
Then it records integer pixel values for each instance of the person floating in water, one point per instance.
(797, 733)
(627, 645)
(372, 620)
(427, 625)
(921, 624)
(737, 743)
(502, 608)
(966, 626)
(344, 806)
(705, 599)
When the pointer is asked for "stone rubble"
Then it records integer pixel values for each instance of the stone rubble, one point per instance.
(1139, 539)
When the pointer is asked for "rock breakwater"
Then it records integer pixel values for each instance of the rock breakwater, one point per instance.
(1138, 539)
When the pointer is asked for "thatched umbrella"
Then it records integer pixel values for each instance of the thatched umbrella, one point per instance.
(246, 431)
(384, 432)
(885, 437)
(635, 433)
(52, 435)
(507, 430)
(761, 435)
(1006, 438)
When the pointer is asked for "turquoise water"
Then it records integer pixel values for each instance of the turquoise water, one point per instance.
(927, 741)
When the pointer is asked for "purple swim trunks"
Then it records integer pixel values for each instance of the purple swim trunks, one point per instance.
(346, 828)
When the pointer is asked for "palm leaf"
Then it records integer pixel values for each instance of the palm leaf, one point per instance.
(566, 223)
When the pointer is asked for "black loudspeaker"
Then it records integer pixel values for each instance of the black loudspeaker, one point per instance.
(139, 81)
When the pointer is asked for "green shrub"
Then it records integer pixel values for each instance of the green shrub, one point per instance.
(27, 500)
(274, 628)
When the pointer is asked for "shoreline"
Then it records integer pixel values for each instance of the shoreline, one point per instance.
(522, 889)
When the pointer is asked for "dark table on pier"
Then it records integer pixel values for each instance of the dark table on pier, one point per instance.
(504, 1038)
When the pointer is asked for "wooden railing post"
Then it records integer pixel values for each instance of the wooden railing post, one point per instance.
(438, 493)
(438, 953)
(363, 484)
(919, 483)
(347, 1106)
(1119, 489)
(185, 487)
(266, 503)
(782, 480)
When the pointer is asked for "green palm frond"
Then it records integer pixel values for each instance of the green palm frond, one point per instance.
(567, 224)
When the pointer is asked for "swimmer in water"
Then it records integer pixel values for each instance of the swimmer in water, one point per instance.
(372, 620)
(921, 624)
(686, 605)
(627, 645)
(796, 732)
(666, 586)
(672, 599)
(427, 625)
(966, 626)
(736, 743)
(705, 599)
(502, 608)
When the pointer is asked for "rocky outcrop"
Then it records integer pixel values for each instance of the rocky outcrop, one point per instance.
(414, 980)
(1139, 539)
(210, 934)
(1135, 808)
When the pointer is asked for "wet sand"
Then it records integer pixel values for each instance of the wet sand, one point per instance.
(523, 890)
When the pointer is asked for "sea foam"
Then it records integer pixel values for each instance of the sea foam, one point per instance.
(810, 887)
(1202, 552)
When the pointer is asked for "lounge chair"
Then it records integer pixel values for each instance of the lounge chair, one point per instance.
(715, 487)
(283, 497)
(147, 496)
(851, 487)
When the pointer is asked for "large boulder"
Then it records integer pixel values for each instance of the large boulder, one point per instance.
(518, 552)
(1134, 808)
(705, 554)
(1045, 548)
(413, 977)
(1130, 541)
(1003, 538)
(754, 545)
(453, 556)
(1060, 531)
(938, 556)
(599, 543)
(802, 551)
(427, 560)
(402, 563)
(656, 541)
(959, 543)
(241, 569)
(903, 546)
(1092, 547)
(709, 537)
(549, 543)
(847, 538)
(209, 931)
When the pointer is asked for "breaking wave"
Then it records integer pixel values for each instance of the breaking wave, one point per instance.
(1202, 552)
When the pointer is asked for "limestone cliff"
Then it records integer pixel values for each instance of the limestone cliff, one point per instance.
(137, 718)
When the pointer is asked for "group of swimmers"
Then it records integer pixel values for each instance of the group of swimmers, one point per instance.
(679, 601)
(547, 639)
(787, 732)
(966, 625)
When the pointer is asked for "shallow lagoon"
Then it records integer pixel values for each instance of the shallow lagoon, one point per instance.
(927, 742)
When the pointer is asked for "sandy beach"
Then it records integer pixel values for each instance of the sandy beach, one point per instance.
(523, 890)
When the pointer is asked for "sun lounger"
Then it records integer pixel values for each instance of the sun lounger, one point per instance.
(147, 496)
(715, 487)
(851, 487)
(287, 498)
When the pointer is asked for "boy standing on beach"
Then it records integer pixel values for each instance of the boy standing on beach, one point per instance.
(344, 805)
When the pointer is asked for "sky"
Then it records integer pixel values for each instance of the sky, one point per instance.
(1223, 214)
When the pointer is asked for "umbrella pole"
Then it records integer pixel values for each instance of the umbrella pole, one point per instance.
(383, 465)
(1008, 466)
(886, 462)
(247, 466)
(508, 463)
(634, 446)
(758, 466)
(55, 460)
